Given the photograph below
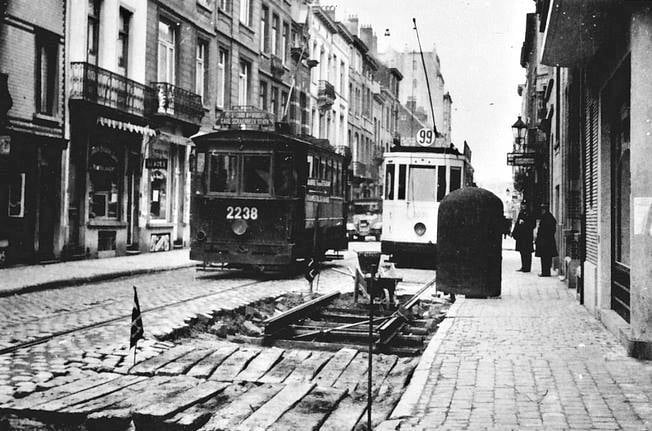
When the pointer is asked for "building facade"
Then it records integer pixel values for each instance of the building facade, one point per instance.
(600, 53)
(32, 148)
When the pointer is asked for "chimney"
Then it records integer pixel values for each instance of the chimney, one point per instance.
(330, 11)
(352, 24)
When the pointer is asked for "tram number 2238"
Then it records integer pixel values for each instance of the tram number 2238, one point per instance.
(245, 213)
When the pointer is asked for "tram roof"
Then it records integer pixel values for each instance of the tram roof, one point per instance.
(263, 135)
(436, 150)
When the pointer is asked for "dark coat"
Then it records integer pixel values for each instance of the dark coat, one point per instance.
(522, 231)
(546, 245)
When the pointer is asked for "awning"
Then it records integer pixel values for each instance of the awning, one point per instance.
(169, 138)
(575, 30)
(125, 126)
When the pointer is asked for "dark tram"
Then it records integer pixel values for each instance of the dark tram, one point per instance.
(265, 199)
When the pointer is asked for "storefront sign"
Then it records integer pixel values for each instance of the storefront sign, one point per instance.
(151, 163)
(521, 159)
(245, 116)
(5, 145)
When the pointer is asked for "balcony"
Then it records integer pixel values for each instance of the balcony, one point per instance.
(325, 94)
(176, 102)
(276, 67)
(359, 169)
(105, 88)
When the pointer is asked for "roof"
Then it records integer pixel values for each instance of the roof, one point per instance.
(261, 135)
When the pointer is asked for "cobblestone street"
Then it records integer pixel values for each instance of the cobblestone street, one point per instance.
(534, 358)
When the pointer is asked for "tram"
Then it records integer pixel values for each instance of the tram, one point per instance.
(416, 180)
(265, 199)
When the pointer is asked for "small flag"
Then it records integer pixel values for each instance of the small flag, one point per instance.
(136, 322)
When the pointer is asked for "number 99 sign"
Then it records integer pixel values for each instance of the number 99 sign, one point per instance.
(425, 137)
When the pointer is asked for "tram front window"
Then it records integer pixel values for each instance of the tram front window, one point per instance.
(223, 173)
(256, 174)
(423, 182)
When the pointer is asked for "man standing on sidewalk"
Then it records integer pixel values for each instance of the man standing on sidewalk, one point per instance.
(522, 233)
(546, 248)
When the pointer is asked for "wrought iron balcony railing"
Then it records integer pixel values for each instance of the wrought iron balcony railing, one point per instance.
(96, 85)
(176, 102)
(325, 94)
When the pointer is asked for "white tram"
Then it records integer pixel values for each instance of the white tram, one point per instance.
(416, 180)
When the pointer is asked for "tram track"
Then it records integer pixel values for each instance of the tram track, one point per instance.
(45, 339)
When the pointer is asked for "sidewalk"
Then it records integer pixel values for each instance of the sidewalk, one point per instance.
(35, 277)
(533, 358)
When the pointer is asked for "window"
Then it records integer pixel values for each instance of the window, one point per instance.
(284, 102)
(243, 83)
(284, 43)
(342, 79)
(223, 173)
(263, 95)
(441, 182)
(264, 13)
(256, 171)
(221, 77)
(422, 183)
(201, 69)
(17, 196)
(104, 172)
(166, 52)
(93, 31)
(456, 177)
(303, 105)
(402, 171)
(245, 12)
(123, 41)
(46, 73)
(225, 5)
(274, 101)
(274, 35)
(389, 182)
(285, 178)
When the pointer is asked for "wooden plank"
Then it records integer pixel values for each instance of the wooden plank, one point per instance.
(274, 408)
(111, 401)
(283, 369)
(334, 368)
(148, 367)
(355, 372)
(311, 411)
(206, 366)
(391, 390)
(231, 415)
(160, 390)
(90, 394)
(260, 364)
(347, 414)
(33, 400)
(197, 415)
(234, 364)
(109, 420)
(382, 365)
(184, 363)
(151, 416)
(307, 370)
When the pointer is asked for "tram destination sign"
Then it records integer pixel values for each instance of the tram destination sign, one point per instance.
(317, 190)
(239, 117)
(521, 159)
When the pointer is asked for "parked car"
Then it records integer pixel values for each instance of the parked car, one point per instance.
(365, 219)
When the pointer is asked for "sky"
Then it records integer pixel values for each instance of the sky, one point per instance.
(479, 46)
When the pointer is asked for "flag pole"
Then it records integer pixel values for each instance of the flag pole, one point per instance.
(296, 69)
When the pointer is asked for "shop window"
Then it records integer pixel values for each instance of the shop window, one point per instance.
(158, 182)
(223, 177)
(256, 171)
(17, 196)
(104, 172)
(285, 178)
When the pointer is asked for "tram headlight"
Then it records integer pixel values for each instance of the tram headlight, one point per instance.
(201, 235)
(239, 227)
(420, 229)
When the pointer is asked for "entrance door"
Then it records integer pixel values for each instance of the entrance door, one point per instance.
(48, 200)
(620, 193)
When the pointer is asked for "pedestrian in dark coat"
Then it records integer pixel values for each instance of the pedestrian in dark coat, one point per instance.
(546, 247)
(522, 233)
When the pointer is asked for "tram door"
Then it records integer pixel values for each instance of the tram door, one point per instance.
(620, 192)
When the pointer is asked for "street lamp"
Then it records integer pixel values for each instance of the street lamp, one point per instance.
(519, 128)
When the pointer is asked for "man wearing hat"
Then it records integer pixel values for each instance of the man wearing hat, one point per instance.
(522, 233)
(546, 248)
